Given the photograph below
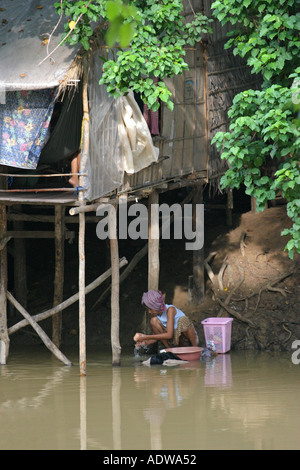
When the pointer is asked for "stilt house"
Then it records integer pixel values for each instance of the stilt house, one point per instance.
(51, 105)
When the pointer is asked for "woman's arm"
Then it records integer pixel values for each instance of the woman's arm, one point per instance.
(140, 337)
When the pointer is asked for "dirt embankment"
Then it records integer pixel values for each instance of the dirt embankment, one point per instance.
(255, 282)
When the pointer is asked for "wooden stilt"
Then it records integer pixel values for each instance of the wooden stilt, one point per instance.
(81, 241)
(83, 420)
(59, 272)
(116, 409)
(229, 207)
(198, 257)
(20, 280)
(138, 257)
(115, 287)
(153, 241)
(82, 332)
(66, 303)
(46, 340)
(4, 338)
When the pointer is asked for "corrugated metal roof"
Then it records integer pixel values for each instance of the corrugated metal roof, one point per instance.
(24, 26)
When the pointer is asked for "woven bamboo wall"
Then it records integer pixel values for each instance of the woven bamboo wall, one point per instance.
(202, 97)
(182, 140)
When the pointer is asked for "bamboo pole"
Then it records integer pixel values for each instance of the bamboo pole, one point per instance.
(87, 208)
(82, 332)
(115, 281)
(59, 272)
(20, 281)
(74, 298)
(81, 241)
(46, 340)
(46, 190)
(4, 338)
(83, 420)
(153, 241)
(198, 257)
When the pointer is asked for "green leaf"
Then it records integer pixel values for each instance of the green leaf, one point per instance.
(126, 33)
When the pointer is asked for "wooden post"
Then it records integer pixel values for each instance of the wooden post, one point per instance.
(20, 281)
(153, 241)
(83, 420)
(4, 338)
(115, 286)
(59, 238)
(198, 257)
(253, 204)
(116, 409)
(229, 207)
(82, 329)
(81, 241)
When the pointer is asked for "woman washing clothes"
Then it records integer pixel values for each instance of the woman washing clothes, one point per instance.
(169, 324)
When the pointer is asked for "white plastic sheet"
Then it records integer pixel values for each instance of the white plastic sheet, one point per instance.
(120, 140)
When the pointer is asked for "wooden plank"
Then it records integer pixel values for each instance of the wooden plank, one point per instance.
(4, 338)
(42, 198)
(46, 340)
(35, 234)
(59, 240)
(66, 303)
(48, 218)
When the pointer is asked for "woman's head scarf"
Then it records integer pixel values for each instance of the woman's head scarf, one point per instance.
(154, 300)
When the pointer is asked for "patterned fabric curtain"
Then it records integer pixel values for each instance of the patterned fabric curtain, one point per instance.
(24, 123)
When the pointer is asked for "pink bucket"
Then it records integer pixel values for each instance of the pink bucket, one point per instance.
(218, 330)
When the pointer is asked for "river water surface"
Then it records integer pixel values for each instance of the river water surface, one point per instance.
(241, 400)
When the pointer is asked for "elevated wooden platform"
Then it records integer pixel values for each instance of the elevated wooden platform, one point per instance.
(49, 197)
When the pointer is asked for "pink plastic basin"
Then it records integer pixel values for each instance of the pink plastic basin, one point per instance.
(189, 353)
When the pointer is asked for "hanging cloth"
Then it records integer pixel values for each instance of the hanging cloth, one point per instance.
(24, 123)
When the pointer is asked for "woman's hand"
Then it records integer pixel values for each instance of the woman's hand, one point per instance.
(138, 337)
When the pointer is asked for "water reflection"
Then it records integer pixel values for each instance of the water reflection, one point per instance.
(33, 401)
(218, 371)
(231, 401)
(168, 390)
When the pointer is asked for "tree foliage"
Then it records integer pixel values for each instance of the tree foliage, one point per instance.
(262, 144)
(156, 34)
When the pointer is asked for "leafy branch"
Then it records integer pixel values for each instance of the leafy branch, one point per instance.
(262, 144)
(151, 36)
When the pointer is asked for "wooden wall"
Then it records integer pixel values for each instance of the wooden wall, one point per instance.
(202, 97)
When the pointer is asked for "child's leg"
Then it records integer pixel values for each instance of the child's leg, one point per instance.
(75, 168)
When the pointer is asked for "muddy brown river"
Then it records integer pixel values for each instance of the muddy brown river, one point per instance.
(240, 400)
